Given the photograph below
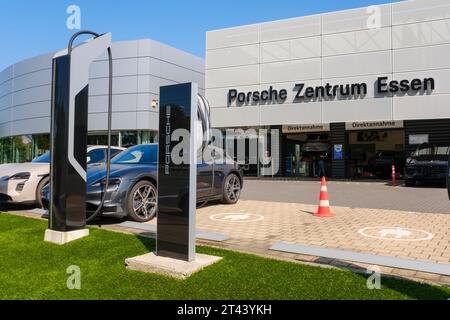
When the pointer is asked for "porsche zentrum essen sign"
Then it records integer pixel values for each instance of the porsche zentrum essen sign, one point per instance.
(304, 93)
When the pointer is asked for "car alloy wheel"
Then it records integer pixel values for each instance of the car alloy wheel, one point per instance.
(233, 188)
(144, 201)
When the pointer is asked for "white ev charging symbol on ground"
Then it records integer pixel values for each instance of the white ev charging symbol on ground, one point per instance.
(374, 280)
(237, 217)
(395, 233)
(74, 281)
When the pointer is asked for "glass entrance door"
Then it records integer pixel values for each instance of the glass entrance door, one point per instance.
(296, 164)
(303, 153)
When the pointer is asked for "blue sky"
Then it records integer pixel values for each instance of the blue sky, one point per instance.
(30, 28)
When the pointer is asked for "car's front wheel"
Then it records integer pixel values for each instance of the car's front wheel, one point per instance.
(231, 189)
(39, 188)
(141, 201)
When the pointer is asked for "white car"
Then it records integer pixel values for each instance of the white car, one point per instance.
(23, 182)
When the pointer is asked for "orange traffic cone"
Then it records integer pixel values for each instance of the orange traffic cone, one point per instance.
(324, 204)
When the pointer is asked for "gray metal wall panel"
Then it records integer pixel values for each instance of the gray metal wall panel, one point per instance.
(137, 77)
(411, 41)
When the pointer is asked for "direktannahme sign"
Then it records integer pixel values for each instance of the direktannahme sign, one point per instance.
(306, 128)
(349, 126)
(303, 93)
(367, 125)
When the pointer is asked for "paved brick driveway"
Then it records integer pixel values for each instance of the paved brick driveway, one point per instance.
(294, 223)
(287, 208)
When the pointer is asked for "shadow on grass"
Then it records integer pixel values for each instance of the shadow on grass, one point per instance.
(413, 289)
(107, 220)
(148, 239)
(7, 207)
(405, 286)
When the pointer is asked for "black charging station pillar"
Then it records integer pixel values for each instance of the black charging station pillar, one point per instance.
(68, 183)
(177, 182)
(175, 254)
(69, 126)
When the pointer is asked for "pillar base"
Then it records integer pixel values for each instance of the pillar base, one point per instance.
(180, 269)
(61, 237)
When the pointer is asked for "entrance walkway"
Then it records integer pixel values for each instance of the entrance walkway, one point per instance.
(354, 194)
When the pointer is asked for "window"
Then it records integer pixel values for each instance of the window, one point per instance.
(428, 150)
(101, 139)
(41, 144)
(96, 156)
(423, 152)
(123, 138)
(142, 154)
(22, 148)
(442, 151)
(146, 137)
(114, 152)
(45, 158)
(5, 150)
(19, 149)
(129, 139)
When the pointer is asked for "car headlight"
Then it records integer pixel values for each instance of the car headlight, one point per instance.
(112, 181)
(20, 176)
(410, 161)
(114, 184)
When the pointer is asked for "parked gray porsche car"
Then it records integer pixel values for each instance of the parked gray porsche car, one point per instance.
(132, 189)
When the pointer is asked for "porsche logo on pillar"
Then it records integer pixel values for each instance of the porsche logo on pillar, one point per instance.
(383, 86)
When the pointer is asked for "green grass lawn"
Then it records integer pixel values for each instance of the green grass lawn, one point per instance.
(33, 269)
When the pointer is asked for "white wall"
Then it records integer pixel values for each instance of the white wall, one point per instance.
(140, 68)
(412, 41)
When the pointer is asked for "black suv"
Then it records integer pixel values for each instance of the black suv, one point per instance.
(381, 164)
(429, 163)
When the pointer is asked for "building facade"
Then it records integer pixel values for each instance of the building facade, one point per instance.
(347, 86)
(140, 67)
